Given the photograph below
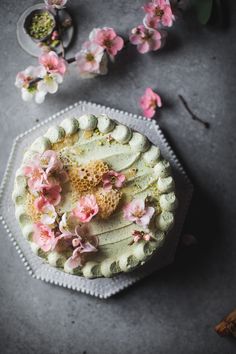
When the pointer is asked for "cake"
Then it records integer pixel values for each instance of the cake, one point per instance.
(94, 198)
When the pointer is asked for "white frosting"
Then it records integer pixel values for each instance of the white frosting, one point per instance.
(165, 184)
(139, 142)
(27, 231)
(122, 134)
(19, 187)
(67, 268)
(55, 134)
(162, 169)
(34, 247)
(168, 201)
(70, 125)
(139, 251)
(105, 124)
(152, 155)
(124, 262)
(106, 267)
(29, 155)
(41, 144)
(87, 122)
(160, 237)
(53, 257)
(165, 221)
(89, 269)
(21, 182)
(20, 210)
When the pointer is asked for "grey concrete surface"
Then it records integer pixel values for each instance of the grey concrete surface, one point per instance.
(174, 310)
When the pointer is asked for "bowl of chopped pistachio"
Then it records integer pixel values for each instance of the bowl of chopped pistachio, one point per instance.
(39, 24)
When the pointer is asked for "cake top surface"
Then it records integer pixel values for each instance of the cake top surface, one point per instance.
(94, 197)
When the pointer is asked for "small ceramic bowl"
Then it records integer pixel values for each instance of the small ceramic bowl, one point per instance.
(39, 34)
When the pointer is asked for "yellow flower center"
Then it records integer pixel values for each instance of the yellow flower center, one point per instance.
(90, 57)
(138, 213)
(159, 12)
(108, 43)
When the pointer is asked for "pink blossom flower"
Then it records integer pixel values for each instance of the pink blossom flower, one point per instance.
(49, 214)
(40, 203)
(55, 4)
(146, 39)
(149, 102)
(27, 81)
(51, 191)
(161, 11)
(76, 260)
(91, 60)
(86, 208)
(35, 174)
(140, 235)
(112, 178)
(137, 212)
(50, 162)
(108, 39)
(53, 63)
(67, 223)
(64, 236)
(50, 83)
(79, 239)
(82, 244)
(52, 165)
(43, 236)
(47, 210)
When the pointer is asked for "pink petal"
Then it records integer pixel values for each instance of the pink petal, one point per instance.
(88, 247)
(74, 261)
(118, 43)
(149, 113)
(144, 47)
(135, 39)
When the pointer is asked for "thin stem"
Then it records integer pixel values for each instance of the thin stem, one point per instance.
(192, 114)
(58, 25)
(35, 81)
(71, 60)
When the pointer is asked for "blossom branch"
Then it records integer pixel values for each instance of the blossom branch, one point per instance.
(91, 61)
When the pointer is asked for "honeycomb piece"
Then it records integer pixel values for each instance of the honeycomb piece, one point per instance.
(67, 160)
(86, 177)
(30, 208)
(107, 201)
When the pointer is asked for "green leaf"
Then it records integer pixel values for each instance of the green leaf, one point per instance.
(204, 10)
(55, 43)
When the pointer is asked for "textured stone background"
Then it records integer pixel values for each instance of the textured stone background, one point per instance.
(174, 310)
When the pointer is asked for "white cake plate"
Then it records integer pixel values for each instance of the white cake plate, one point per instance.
(102, 287)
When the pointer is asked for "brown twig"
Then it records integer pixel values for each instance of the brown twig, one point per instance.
(227, 327)
(193, 115)
(35, 81)
(58, 25)
(71, 60)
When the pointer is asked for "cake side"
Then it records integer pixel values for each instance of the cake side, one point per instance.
(130, 153)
